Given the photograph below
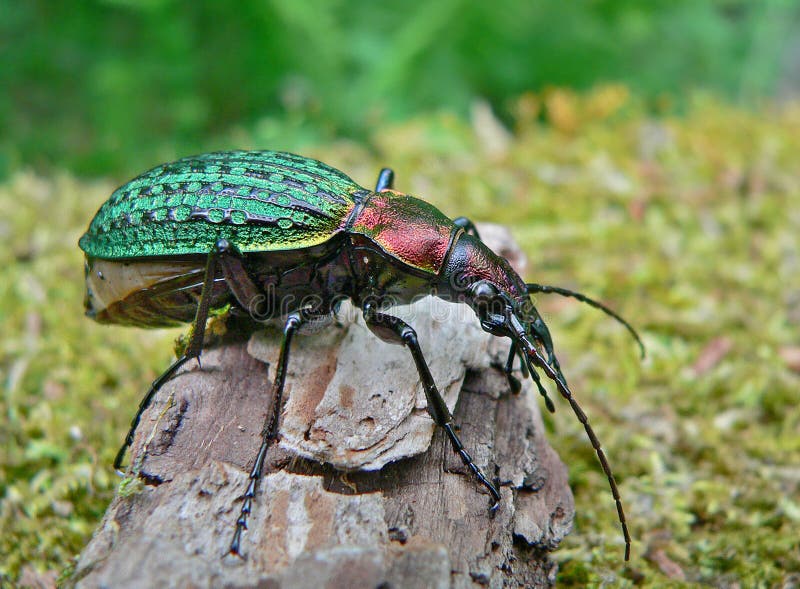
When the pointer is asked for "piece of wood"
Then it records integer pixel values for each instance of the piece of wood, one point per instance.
(362, 491)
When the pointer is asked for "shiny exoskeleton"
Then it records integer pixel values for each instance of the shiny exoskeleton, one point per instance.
(277, 235)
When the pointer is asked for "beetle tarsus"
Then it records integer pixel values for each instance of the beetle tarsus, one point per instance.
(548, 402)
(513, 382)
(235, 548)
(143, 405)
(270, 430)
(459, 449)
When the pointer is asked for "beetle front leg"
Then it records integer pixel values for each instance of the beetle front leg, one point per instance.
(270, 430)
(394, 330)
(514, 383)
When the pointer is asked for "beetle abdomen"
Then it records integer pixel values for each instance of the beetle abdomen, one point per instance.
(258, 200)
(147, 293)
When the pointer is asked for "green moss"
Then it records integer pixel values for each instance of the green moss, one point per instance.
(687, 226)
(130, 485)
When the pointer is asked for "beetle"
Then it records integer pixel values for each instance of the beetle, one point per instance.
(277, 235)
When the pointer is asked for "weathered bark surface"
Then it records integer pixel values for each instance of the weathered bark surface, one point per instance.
(362, 491)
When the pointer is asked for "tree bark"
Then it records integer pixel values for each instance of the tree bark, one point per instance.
(362, 490)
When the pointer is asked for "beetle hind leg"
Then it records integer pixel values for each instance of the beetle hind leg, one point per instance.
(193, 350)
(394, 330)
(225, 259)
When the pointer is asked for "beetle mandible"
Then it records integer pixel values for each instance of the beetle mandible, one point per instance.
(274, 234)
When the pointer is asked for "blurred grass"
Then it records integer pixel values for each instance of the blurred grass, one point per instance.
(106, 86)
(688, 226)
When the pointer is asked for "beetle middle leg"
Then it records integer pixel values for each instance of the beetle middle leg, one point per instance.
(270, 430)
(394, 330)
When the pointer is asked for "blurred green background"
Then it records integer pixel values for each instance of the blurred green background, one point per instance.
(115, 86)
(644, 152)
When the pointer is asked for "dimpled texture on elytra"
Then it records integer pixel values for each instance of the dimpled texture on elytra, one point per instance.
(259, 200)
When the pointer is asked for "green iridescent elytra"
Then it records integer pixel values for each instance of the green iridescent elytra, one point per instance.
(259, 200)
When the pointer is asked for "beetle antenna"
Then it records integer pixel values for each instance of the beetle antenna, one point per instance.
(537, 359)
(546, 289)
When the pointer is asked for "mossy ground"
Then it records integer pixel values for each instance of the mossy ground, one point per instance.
(686, 225)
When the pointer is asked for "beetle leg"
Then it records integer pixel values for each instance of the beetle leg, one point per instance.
(270, 429)
(542, 335)
(523, 364)
(258, 304)
(394, 330)
(548, 402)
(513, 381)
(466, 225)
(385, 180)
(144, 404)
(192, 351)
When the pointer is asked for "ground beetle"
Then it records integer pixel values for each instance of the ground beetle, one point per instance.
(277, 235)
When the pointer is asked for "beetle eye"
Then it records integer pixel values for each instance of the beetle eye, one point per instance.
(483, 290)
(484, 298)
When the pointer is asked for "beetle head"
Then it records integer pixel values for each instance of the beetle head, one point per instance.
(500, 298)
